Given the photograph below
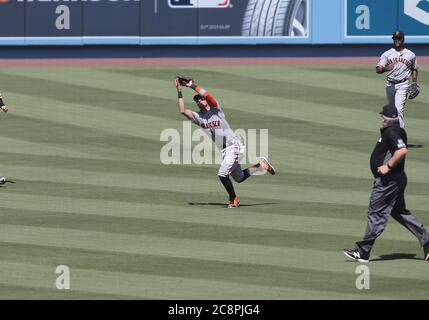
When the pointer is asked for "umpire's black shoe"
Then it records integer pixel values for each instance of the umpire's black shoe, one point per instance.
(356, 255)
(3, 180)
(426, 251)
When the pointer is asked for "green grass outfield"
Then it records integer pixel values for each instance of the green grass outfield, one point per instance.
(82, 145)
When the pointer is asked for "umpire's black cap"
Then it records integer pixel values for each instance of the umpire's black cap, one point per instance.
(389, 111)
(398, 35)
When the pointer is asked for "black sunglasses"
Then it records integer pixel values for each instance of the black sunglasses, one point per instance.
(397, 38)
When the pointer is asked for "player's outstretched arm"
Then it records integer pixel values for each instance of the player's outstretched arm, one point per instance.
(181, 103)
(202, 92)
(3, 107)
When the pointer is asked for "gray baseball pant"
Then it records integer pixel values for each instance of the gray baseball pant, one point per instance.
(387, 199)
(397, 96)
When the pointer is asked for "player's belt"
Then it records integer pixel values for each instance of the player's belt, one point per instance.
(397, 81)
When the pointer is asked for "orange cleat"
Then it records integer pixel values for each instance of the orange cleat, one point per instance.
(234, 204)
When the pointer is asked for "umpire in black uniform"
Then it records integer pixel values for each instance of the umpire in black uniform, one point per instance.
(387, 197)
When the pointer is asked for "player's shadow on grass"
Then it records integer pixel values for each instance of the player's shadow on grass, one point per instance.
(396, 256)
(8, 181)
(219, 204)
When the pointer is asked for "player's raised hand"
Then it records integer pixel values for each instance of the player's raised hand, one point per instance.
(4, 108)
(190, 83)
(177, 84)
(187, 82)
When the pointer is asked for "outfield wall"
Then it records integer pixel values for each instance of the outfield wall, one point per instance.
(229, 51)
(210, 22)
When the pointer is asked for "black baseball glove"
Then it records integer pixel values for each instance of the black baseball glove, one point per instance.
(413, 90)
(183, 81)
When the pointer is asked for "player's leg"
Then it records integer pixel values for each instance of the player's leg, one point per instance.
(240, 175)
(400, 98)
(383, 197)
(230, 161)
(409, 220)
(227, 183)
(390, 93)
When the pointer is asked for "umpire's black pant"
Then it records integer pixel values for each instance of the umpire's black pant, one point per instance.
(387, 199)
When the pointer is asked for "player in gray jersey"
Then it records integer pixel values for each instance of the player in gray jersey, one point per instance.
(400, 63)
(3, 108)
(211, 119)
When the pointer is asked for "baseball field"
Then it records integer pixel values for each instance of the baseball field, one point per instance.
(81, 146)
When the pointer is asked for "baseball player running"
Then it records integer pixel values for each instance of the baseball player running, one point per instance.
(5, 109)
(211, 119)
(399, 63)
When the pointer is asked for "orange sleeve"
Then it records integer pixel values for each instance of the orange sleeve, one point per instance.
(210, 99)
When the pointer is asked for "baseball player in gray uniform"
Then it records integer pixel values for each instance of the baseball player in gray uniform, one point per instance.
(5, 109)
(211, 119)
(399, 63)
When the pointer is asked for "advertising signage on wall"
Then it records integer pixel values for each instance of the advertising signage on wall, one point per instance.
(226, 18)
(378, 19)
(154, 21)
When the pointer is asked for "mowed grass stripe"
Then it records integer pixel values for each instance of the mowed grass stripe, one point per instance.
(332, 79)
(152, 286)
(214, 216)
(338, 161)
(204, 250)
(202, 206)
(26, 292)
(356, 79)
(285, 88)
(316, 111)
(97, 144)
(279, 215)
(150, 151)
(57, 88)
(86, 119)
(97, 118)
(344, 139)
(263, 275)
(30, 148)
(261, 188)
(230, 231)
(137, 149)
(359, 80)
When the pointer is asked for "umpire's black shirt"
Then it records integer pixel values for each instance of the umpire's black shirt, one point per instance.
(393, 137)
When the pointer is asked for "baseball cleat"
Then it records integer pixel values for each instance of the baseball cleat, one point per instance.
(234, 204)
(3, 180)
(426, 251)
(266, 165)
(355, 255)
